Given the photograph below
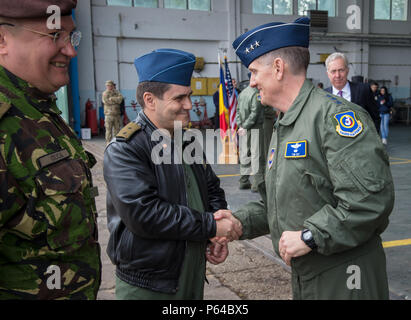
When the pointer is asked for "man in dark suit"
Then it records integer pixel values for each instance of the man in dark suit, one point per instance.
(358, 93)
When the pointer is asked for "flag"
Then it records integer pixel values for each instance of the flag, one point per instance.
(223, 103)
(232, 100)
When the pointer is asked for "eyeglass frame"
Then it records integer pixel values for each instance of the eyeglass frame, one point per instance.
(56, 35)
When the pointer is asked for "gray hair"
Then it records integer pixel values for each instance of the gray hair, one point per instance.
(298, 58)
(334, 56)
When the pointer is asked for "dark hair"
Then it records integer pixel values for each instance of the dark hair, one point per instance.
(297, 58)
(156, 88)
(374, 83)
(386, 90)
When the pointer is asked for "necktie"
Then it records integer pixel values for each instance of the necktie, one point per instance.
(340, 93)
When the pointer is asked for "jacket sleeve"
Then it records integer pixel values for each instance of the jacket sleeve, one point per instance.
(238, 117)
(105, 98)
(362, 186)
(133, 191)
(253, 217)
(116, 99)
(389, 102)
(12, 199)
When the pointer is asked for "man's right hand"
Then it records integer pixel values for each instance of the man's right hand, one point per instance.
(227, 225)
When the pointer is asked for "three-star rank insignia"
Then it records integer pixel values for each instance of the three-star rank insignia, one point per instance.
(348, 124)
(252, 47)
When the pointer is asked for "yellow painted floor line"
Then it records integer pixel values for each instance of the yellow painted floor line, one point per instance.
(396, 243)
(227, 175)
(401, 159)
(401, 162)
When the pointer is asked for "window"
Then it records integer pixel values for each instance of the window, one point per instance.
(199, 5)
(284, 7)
(203, 5)
(124, 3)
(175, 4)
(328, 5)
(390, 10)
(146, 3)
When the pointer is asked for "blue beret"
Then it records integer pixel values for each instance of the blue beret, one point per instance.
(271, 36)
(166, 65)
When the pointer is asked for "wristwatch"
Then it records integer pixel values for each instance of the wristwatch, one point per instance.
(308, 239)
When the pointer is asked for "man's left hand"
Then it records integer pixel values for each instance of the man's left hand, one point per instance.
(217, 252)
(291, 246)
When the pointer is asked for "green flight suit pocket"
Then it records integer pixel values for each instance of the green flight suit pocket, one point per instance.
(356, 180)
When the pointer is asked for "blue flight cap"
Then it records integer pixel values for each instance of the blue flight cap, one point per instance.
(271, 36)
(166, 65)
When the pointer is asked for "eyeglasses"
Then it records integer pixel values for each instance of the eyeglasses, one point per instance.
(64, 36)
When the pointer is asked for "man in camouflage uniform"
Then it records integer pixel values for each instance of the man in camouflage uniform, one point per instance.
(111, 99)
(48, 231)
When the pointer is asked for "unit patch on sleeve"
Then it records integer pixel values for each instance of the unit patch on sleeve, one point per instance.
(296, 149)
(348, 125)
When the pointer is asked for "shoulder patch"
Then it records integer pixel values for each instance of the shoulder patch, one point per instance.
(127, 132)
(4, 107)
(348, 124)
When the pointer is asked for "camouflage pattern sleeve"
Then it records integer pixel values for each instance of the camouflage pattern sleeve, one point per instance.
(11, 198)
(116, 98)
(105, 97)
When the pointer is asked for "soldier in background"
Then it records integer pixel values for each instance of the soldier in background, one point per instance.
(122, 109)
(48, 229)
(112, 99)
(250, 115)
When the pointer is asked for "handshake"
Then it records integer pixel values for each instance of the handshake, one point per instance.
(228, 229)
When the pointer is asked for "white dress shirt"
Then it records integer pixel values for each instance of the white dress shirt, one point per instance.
(346, 91)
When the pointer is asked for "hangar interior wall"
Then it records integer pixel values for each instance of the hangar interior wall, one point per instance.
(114, 36)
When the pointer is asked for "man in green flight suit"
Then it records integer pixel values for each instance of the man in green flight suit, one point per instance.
(48, 230)
(329, 190)
(250, 118)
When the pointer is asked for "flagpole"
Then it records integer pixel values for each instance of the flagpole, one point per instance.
(228, 153)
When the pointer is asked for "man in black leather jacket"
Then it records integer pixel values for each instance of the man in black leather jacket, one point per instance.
(160, 208)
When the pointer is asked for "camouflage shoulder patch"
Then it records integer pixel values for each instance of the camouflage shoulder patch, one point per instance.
(128, 131)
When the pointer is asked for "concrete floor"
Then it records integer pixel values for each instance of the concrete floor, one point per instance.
(399, 256)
